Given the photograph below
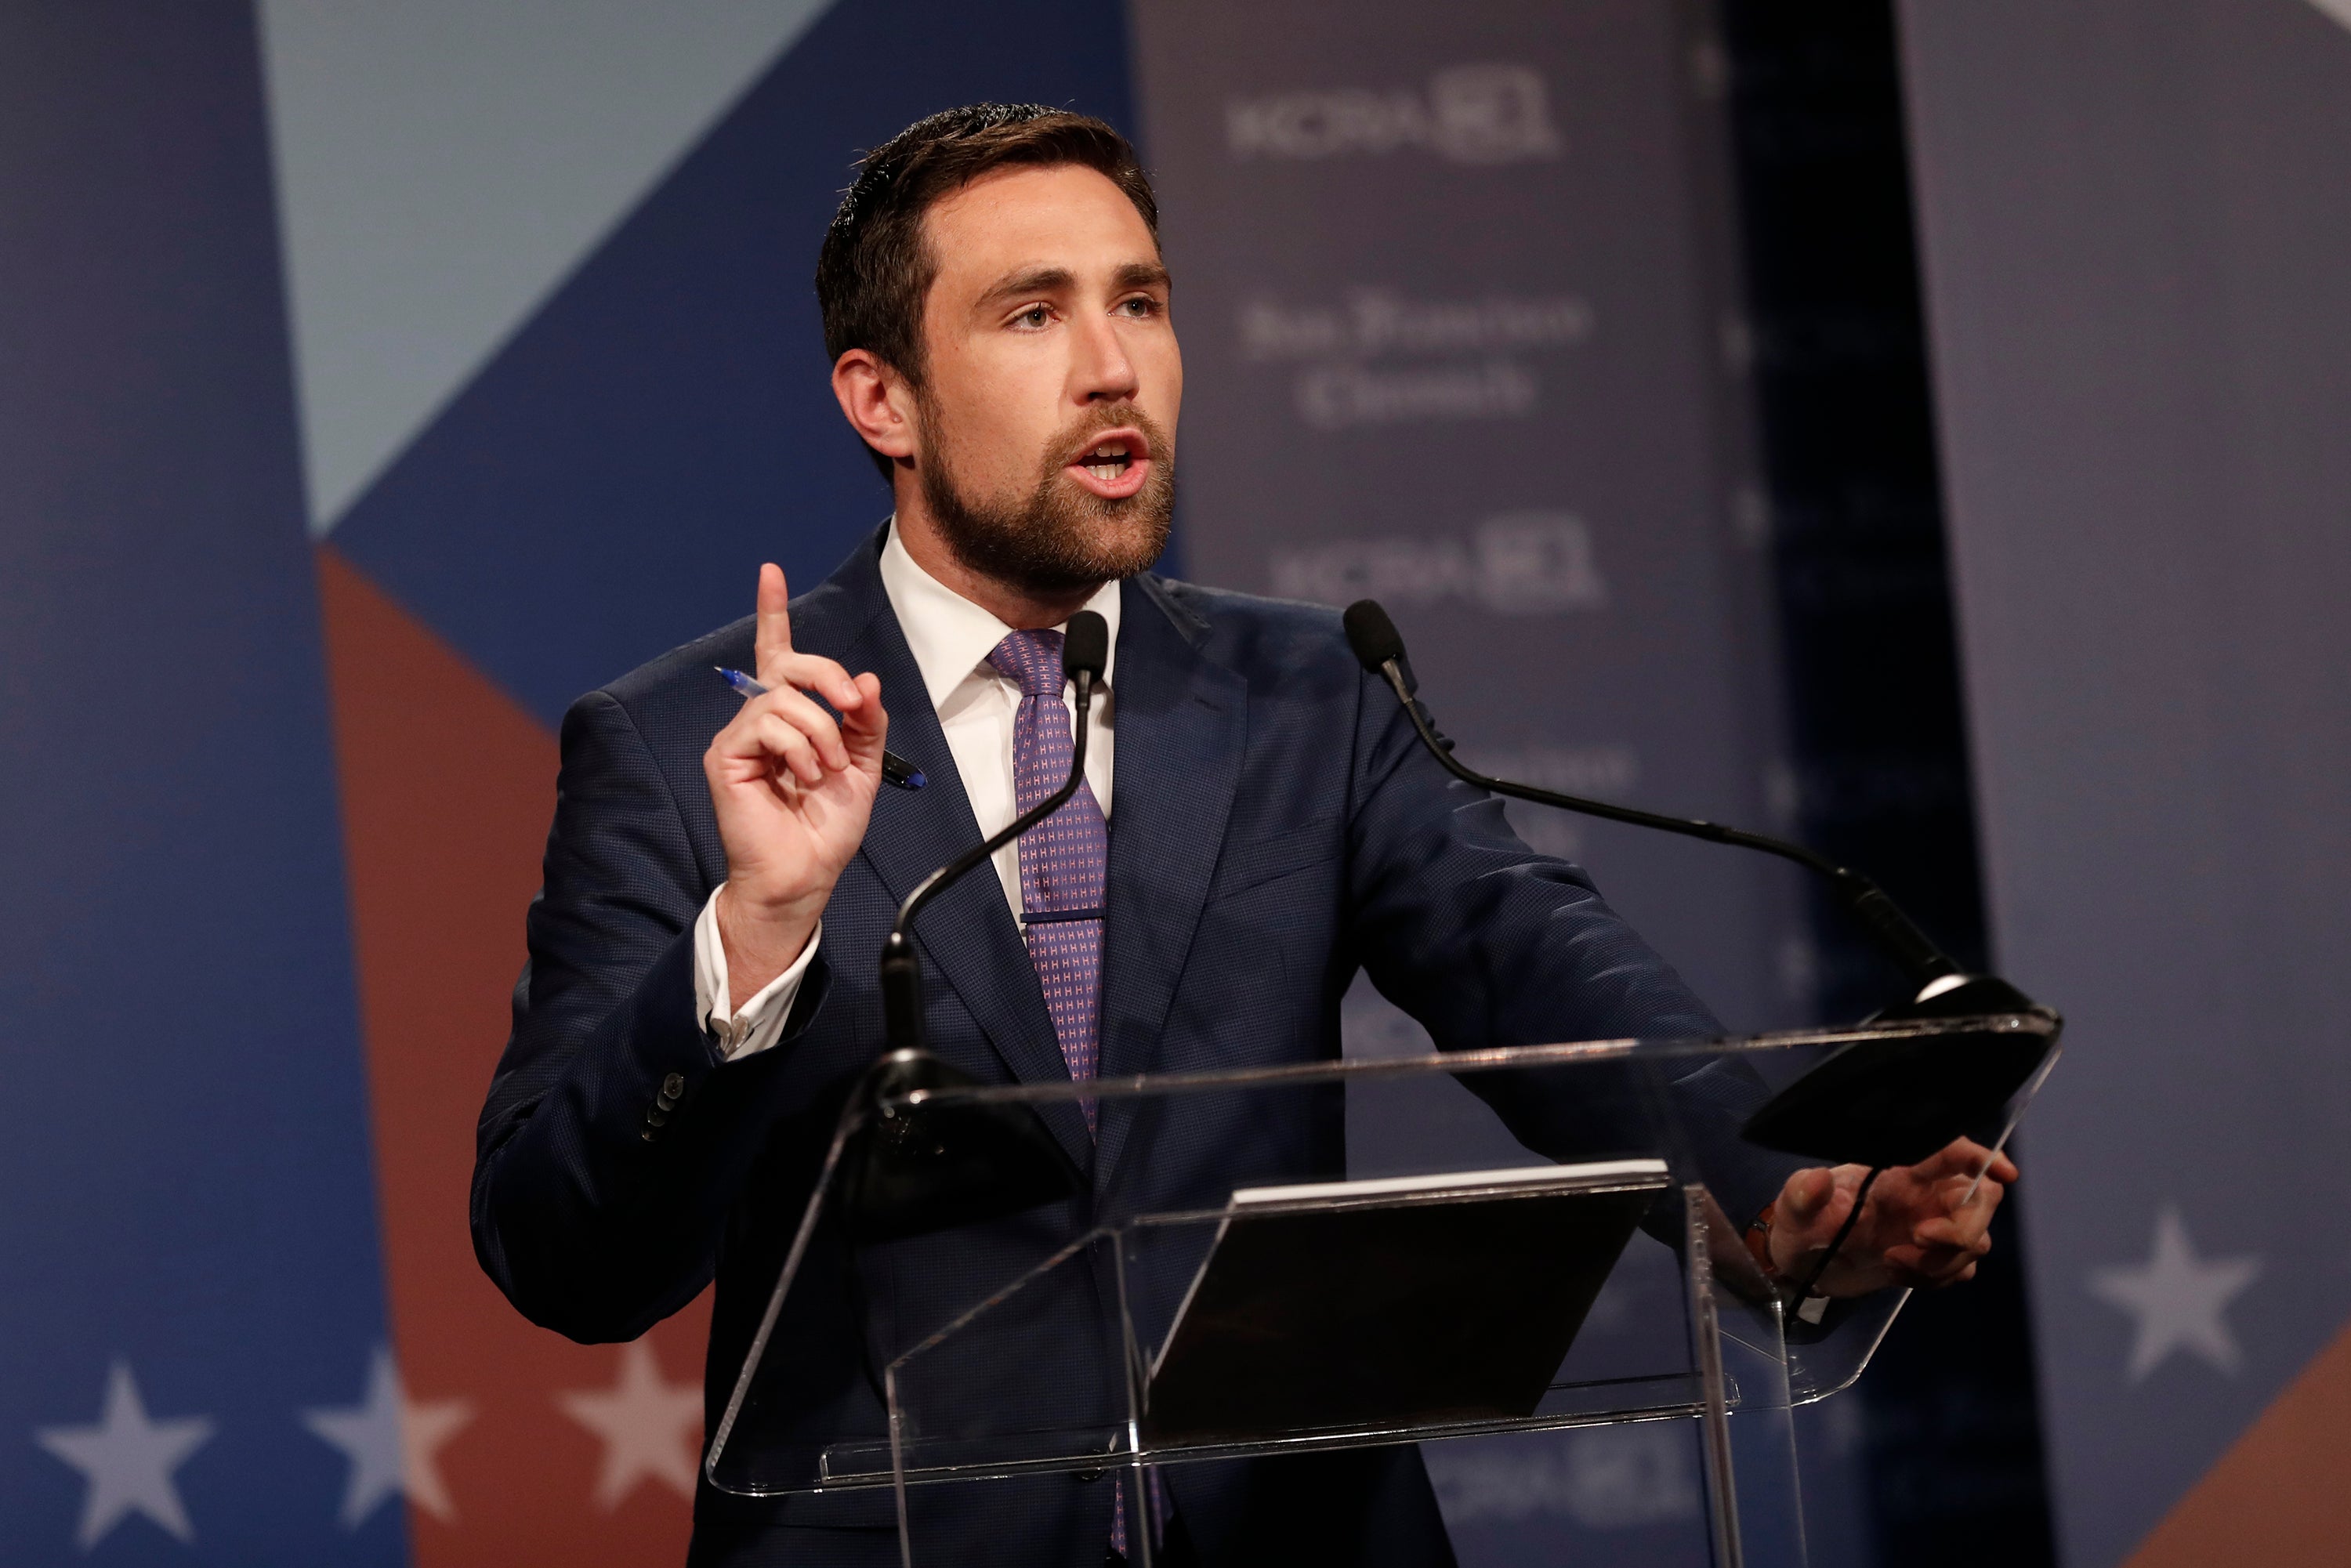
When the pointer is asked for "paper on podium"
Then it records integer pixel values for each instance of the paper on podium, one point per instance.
(1402, 1301)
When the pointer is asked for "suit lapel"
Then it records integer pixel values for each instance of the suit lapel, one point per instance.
(967, 934)
(1182, 726)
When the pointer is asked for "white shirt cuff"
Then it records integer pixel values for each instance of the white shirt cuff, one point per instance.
(758, 1023)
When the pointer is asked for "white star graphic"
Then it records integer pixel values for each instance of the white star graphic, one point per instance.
(127, 1461)
(2178, 1298)
(650, 1426)
(2338, 9)
(393, 1443)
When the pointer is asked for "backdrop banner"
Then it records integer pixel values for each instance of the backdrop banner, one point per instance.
(2134, 222)
(507, 306)
(378, 380)
(1455, 337)
(189, 1261)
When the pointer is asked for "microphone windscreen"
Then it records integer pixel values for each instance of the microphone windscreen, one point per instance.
(1085, 645)
(1372, 634)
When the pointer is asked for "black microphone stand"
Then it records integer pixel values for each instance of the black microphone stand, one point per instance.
(1935, 974)
(1830, 1105)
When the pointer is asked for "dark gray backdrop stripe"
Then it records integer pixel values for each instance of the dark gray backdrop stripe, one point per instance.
(1450, 282)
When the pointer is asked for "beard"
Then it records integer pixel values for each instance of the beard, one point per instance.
(1061, 538)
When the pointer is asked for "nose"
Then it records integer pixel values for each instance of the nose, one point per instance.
(1102, 372)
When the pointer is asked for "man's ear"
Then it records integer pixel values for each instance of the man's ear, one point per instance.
(877, 401)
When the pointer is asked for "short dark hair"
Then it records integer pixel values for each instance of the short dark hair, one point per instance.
(874, 270)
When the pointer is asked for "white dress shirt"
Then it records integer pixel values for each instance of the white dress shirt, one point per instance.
(951, 639)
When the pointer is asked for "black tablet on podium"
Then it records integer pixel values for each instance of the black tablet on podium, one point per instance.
(1408, 1300)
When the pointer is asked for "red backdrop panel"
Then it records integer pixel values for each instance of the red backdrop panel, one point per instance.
(447, 787)
(2277, 1496)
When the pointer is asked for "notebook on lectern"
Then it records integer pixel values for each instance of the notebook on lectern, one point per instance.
(1401, 1301)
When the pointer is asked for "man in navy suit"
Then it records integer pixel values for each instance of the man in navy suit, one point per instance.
(1258, 824)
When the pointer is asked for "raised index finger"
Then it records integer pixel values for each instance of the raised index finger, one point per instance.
(772, 644)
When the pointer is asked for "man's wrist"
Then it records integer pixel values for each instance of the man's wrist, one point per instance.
(759, 944)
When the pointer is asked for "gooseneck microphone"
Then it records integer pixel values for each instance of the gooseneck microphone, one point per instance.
(1941, 988)
(1085, 651)
(1873, 1108)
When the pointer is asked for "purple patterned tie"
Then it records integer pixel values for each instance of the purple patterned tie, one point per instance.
(1063, 864)
(1062, 859)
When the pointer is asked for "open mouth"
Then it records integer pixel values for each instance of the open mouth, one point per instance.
(1115, 465)
(1108, 460)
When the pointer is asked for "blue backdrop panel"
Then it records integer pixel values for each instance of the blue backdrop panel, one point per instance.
(608, 486)
(186, 1165)
(2135, 219)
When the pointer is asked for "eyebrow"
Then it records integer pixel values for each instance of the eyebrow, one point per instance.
(1142, 274)
(1053, 280)
(1031, 280)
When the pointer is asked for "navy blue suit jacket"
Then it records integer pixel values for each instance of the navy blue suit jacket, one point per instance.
(1277, 828)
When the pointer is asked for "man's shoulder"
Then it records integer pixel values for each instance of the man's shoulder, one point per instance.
(824, 620)
(686, 676)
(1281, 641)
(1254, 635)
(673, 704)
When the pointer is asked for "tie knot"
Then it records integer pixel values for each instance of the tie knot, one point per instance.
(1033, 659)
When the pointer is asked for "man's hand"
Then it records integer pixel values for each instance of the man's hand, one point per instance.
(792, 789)
(1924, 1225)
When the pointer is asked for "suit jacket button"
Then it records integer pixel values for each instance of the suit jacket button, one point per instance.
(674, 1086)
(647, 1135)
(656, 1119)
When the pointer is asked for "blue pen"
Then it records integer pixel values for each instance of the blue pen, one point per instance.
(895, 769)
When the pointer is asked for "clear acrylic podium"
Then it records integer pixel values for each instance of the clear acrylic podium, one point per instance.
(1337, 1254)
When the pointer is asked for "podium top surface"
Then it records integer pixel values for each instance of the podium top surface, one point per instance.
(2032, 1030)
(1023, 1250)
